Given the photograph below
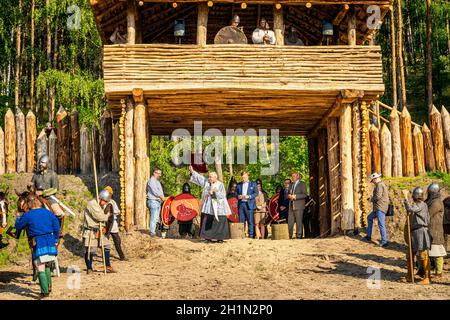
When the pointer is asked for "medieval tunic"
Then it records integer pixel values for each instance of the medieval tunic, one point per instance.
(258, 36)
(436, 210)
(93, 216)
(215, 208)
(47, 180)
(419, 219)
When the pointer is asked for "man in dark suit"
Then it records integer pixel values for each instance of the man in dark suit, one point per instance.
(297, 195)
(283, 202)
(246, 192)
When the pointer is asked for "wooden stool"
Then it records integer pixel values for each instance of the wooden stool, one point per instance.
(236, 230)
(280, 231)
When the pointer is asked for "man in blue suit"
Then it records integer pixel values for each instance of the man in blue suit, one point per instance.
(246, 192)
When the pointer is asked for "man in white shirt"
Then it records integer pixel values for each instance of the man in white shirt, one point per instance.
(262, 34)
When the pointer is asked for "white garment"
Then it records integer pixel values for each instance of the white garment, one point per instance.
(116, 210)
(244, 188)
(258, 36)
(437, 250)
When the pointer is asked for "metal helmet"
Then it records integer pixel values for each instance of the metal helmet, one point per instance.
(105, 196)
(417, 193)
(433, 188)
(186, 188)
(43, 162)
(236, 19)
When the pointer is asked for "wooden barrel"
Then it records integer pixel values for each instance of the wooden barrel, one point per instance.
(236, 230)
(280, 231)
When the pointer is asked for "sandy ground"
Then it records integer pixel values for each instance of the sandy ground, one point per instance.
(332, 268)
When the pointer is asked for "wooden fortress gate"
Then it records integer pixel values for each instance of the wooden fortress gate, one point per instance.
(320, 91)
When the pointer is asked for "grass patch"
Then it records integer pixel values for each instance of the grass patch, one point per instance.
(444, 177)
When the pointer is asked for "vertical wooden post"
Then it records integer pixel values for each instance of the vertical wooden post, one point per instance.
(31, 140)
(141, 158)
(446, 131)
(10, 142)
(375, 146)
(438, 139)
(106, 144)
(278, 25)
(334, 173)
(365, 140)
(345, 143)
(122, 165)
(75, 141)
(393, 67)
(21, 147)
(430, 162)
(131, 22)
(52, 150)
(394, 124)
(63, 134)
(85, 151)
(41, 145)
(356, 160)
(129, 164)
(324, 203)
(116, 147)
(406, 140)
(313, 162)
(202, 23)
(419, 157)
(386, 152)
(2, 151)
(352, 27)
(95, 137)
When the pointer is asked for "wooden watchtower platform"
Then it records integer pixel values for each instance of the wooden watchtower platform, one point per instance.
(155, 85)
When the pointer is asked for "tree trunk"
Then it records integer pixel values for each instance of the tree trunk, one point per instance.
(419, 157)
(10, 142)
(75, 141)
(324, 203)
(393, 60)
(356, 160)
(345, 130)
(33, 60)
(386, 151)
(21, 147)
(18, 55)
(365, 140)
(218, 166)
(446, 131)
(85, 151)
(334, 173)
(394, 124)
(429, 60)
(438, 139)
(447, 28)
(49, 54)
(406, 140)
(375, 146)
(31, 140)
(2, 152)
(401, 68)
(129, 165)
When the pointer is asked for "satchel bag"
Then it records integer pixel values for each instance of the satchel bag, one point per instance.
(390, 211)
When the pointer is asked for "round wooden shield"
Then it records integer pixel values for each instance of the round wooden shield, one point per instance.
(201, 167)
(166, 216)
(273, 207)
(185, 207)
(234, 216)
(230, 35)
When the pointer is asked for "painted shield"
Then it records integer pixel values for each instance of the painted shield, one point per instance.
(198, 164)
(185, 207)
(273, 207)
(234, 217)
(166, 216)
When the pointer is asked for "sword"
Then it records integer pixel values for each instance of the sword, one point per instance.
(62, 205)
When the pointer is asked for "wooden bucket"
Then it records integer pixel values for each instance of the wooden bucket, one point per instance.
(280, 231)
(236, 230)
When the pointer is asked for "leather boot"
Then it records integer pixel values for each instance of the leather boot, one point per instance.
(110, 270)
(426, 267)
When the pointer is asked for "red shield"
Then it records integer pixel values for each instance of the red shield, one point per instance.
(185, 207)
(273, 207)
(166, 217)
(198, 164)
(234, 216)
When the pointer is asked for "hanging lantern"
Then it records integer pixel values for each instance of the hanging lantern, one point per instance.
(327, 28)
(179, 28)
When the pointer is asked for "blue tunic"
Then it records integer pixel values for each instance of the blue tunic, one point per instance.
(43, 226)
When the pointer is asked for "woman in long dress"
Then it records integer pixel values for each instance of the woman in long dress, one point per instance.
(214, 207)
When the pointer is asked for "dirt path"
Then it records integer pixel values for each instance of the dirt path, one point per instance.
(334, 268)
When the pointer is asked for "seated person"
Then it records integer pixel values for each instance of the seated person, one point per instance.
(292, 38)
(262, 34)
(120, 35)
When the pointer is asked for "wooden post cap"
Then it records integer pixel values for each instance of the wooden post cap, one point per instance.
(243, 5)
(308, 5)
(278, 6)
(210, 3)
(174, 4)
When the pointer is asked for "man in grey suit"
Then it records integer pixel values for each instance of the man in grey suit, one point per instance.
(297, 195)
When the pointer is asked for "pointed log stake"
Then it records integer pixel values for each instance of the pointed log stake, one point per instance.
(334, 173)
(406, 139)
(52, 151)
(419, 157)
(430, 162)
(356, 160)
(21, 145)
(2, 151)
(446, 131)
(41, 145)
(75, 141)
(386, 152)
(63, 142)
(85, 151)
(438, 139)
(375, 146)
(394, 125)
(10, 142)
(31, 141)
